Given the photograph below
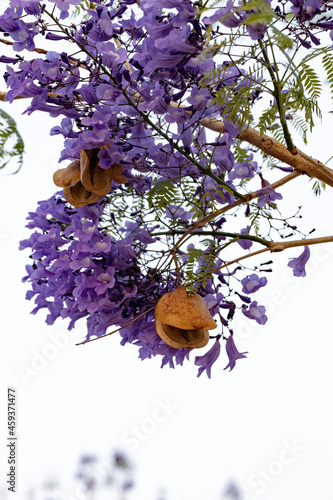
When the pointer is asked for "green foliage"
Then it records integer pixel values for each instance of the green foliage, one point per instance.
(11, 142)
(191, 277)
(311, 82)
(277, 133)
(255, 221)
(318, 187)
(301, 126)
(82, 8)
(162, 195)
(241, 154)
(261, 12)
(282, 41)
(328, 67)
(206, 262)
(236, 104)
(267, 119)
(207, 266)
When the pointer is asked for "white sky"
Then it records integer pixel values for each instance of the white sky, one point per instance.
(271, 416)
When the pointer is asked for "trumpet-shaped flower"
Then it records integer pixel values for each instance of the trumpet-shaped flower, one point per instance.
(298, 264)
(206, 361)
(233, 353)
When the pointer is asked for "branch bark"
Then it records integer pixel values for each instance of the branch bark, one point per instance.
(300, 161)
(277, 246)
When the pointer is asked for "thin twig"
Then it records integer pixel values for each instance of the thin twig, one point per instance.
(241, 258)
(277, 246)
(179, 279)
(7, 42)
(251, 196)
(120, 328)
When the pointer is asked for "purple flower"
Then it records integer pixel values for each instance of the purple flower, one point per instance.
(206, 361)
(177, 115)
(8, 60)
(253, 283)
(267, 194)
(245, 244)
(305, 10)
(111, 55)
(244, 170)
(178, 212)
(64, 5)
(224, 15)
(30, 6)
(255, 312)
(102, 29)
(256, 30)
(178, 40)
(232, 353)
(223, 157)
(102, 280)
(298, 264)
(199, 97)
(24, 37)
(213, 302)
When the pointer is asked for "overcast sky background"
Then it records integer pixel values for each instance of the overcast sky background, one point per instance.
(267, 424)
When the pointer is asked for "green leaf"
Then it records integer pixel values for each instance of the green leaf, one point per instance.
(10, 137)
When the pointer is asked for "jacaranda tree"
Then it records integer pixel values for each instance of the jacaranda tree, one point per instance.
(176, 115)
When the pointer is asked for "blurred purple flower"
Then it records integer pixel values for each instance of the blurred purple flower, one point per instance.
(224, 15)
(177, 212)
(305, 10)
(64, 5)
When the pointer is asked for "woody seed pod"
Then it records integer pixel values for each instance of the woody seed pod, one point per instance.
(68, 176)
(182, 321)
(93, 177)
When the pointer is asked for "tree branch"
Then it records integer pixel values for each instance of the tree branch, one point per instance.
(8, 42)
(298, 160)
(251, 196)
(277, 246)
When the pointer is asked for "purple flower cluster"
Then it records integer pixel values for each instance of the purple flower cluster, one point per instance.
(134, 92)
(22, 33)
(79, 270)
(159, 57)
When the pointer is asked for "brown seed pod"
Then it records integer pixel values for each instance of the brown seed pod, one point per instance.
(84, 181)
(93, 177)
(78, 196)
(182, 321)
(67, 176)
(114, 172)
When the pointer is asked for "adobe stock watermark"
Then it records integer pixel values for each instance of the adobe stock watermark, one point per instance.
(264, 476)
(40, 358)
(138, 433)
(98, 472)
